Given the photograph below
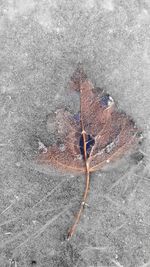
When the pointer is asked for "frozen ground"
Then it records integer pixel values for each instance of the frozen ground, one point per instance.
(41, 43)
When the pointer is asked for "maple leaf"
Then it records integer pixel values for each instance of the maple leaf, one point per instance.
(92, 138)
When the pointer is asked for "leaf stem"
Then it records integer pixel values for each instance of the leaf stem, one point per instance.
(82, 205)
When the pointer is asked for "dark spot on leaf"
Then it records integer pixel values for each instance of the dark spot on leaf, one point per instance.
(106, 100)
(89, 144)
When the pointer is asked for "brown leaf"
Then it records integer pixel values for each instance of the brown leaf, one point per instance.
(97, 135)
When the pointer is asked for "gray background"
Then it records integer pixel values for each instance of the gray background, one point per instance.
(41, 43)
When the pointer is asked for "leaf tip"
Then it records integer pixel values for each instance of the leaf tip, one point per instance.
(78, 77)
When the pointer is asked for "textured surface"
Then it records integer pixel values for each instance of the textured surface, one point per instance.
(40, 44)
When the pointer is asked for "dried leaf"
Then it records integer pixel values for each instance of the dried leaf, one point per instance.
(97, 135)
